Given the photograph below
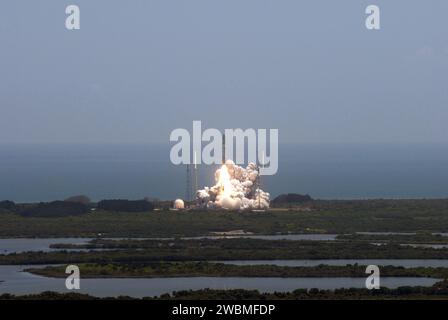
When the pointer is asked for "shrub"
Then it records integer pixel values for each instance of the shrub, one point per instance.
(125, 205)
(55, 209)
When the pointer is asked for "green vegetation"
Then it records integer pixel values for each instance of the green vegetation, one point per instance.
(73, 206)
(206, 269)
(125, 205)
(224, 249)
(43, 209)
(174, 256)
(312, 217)
(437, 291)
(79, 199)
(290, 199)
(7, 205)
(54, 209)
(49, 295)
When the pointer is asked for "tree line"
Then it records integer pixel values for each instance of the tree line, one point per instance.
(74, 208)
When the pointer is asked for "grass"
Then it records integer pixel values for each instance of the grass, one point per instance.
(322, 217)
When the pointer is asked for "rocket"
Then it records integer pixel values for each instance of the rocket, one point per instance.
(223, 149)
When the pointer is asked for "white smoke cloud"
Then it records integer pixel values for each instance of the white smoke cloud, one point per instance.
(235, 189)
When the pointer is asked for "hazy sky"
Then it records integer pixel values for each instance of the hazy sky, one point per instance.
(138, 69)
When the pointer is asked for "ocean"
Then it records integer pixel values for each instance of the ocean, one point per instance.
(31, 173)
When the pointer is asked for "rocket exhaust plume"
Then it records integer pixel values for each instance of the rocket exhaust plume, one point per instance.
(235, 188)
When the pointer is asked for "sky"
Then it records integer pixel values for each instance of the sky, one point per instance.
(138, 69)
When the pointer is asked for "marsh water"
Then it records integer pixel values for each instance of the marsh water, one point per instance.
(17, 245)
(15, 281)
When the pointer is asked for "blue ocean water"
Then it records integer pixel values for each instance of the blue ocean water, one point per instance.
(50, 172)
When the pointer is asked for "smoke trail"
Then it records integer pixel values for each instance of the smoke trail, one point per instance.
(235, 189)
